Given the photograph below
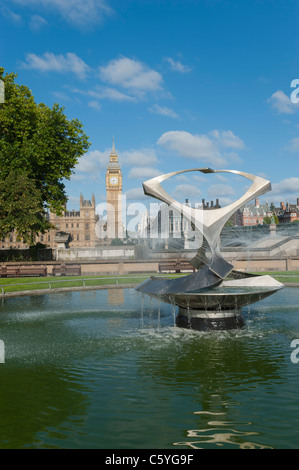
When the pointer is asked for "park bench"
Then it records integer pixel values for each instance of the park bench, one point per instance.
(9, 271)
(67, 270)
(177, 266)
(22, 271)
(32, 271)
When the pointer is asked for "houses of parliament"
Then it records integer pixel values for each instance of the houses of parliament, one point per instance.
(82, 225)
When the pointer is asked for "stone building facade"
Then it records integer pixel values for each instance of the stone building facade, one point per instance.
(114, 197)
(288, 213)
(254, 214)
(81, 225)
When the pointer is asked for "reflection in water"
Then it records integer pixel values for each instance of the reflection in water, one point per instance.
(115, 296)
(213, 434)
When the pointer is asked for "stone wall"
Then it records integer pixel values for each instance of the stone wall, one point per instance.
(98, 253)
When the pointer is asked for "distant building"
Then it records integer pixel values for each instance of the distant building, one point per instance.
(287, 213)
(114, 197)
(82, 225)
(207, 205)
(170, 224)
(253, 214)
(79, 224)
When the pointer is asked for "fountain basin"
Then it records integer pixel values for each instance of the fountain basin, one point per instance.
(218, 307)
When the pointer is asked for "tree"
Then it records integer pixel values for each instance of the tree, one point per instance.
(116, 242)
(41, 147)
(270, 220)
(21, 207)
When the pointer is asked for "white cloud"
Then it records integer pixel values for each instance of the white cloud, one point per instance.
(50, 62)
(195, 146)
(232, 157)
(142, 157)
(177, 66)
(95, 105)
(228, 139)
(205, 148)
(74, 200)
(111, 94)
(225, 201)
(286, 189)
(80, 13)
(135, 194)
(293, 145)
(10, 15)
(60, 95)
(220, 190)
(37, 22)
(132, 75)
(281, 103)
(183, 191)
(163, 111)
(91, 165)
(140, 172)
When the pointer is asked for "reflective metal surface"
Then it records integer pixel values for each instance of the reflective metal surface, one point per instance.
(207, 289)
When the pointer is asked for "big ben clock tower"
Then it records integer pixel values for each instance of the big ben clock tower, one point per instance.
(114, 197)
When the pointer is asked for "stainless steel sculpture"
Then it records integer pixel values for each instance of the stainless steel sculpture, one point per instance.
(206, 299)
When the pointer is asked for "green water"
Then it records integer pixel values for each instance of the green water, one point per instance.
(96, 370)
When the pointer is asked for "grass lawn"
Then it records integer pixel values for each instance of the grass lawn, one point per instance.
(38, 283)
(19, 284)
(284, 276)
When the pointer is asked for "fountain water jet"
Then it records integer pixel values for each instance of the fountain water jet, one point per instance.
(211, 298)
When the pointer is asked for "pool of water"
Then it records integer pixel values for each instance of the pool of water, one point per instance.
(109, 370)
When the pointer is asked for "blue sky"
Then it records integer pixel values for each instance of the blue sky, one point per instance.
(179, 83)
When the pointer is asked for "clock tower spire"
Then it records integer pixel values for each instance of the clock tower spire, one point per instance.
(114, 196)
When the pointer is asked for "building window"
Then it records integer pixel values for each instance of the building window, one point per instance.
(78, 237)
(86, 226)
(87, 237)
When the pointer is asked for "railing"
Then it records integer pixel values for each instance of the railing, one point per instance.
(113, 280)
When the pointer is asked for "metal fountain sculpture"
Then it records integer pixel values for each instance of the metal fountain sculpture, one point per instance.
(213, 296)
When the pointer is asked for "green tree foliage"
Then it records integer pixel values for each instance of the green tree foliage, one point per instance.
(21, 207)
(270, 220)
(40, 146)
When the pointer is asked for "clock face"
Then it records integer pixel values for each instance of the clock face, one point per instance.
(113, 180)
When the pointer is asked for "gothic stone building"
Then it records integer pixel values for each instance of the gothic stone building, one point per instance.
(81, 224)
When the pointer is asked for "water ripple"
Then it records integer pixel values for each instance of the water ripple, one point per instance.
(213, 435)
